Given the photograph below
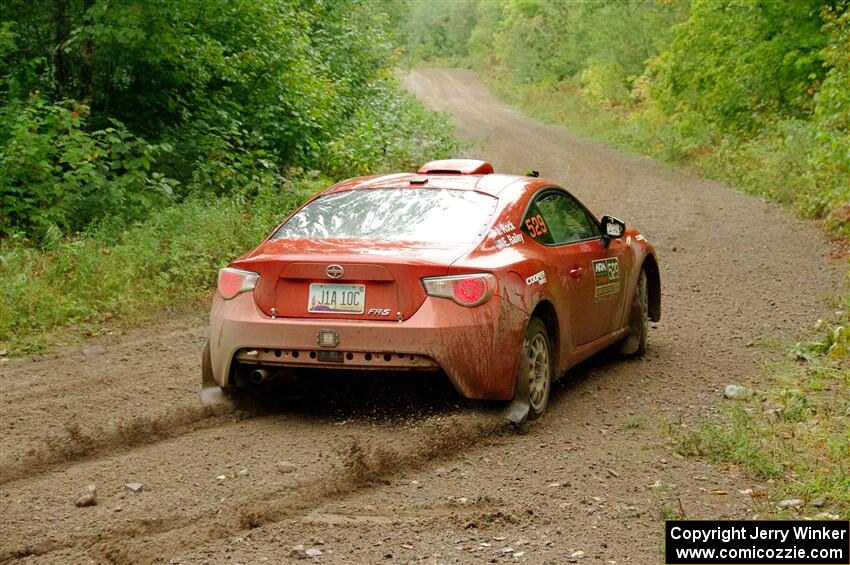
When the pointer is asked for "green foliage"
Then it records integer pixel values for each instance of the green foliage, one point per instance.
(832, 101)
(733, 60)
(392, 127)
(830, 158)
(55, 176)
(603, 82)
(437, 29)
(130, 271)
(227, 93)
(735, 444)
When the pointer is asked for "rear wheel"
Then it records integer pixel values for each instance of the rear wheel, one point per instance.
(538, 370)
(635, 342)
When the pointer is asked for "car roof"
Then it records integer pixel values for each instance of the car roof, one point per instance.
(445, 174)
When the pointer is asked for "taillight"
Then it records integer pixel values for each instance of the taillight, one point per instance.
(466, 290)
(233, 281)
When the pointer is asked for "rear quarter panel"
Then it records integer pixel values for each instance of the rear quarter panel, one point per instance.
(525, 275)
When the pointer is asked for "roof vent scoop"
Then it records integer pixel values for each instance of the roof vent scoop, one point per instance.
(456, 167)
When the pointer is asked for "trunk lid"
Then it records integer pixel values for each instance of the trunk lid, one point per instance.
(387, 273)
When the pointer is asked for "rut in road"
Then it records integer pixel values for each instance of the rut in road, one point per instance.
(363, 463)
(734, 269)
(71, 443)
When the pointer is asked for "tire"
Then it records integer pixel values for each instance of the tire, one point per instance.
(635, 342)
(536, 367)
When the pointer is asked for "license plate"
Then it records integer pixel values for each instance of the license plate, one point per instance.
(336, 298)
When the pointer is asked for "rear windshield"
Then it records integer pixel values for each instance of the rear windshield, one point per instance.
(398, 214)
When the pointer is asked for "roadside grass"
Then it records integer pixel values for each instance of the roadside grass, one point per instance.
(783, 162)
(127, 275)
(635, 423)
(795, 434)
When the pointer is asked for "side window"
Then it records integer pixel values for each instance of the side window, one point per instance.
(564, 220)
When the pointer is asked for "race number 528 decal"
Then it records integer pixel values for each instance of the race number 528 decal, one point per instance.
(535, 226)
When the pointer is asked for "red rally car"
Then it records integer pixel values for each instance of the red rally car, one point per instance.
(502, 282)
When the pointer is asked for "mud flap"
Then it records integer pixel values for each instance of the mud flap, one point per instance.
(519, 408)
(211, 393)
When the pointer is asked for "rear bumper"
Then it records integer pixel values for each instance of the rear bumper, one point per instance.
(477, 348)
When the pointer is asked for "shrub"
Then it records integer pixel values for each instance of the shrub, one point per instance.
(132, 270)
(57, 175)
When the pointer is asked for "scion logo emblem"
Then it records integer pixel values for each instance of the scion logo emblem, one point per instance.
(334, 271)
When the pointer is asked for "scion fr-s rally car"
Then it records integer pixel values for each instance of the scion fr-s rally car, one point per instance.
(501, 282)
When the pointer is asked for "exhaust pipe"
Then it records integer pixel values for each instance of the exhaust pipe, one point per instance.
(259, 375)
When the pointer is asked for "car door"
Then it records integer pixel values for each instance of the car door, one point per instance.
(588, 272)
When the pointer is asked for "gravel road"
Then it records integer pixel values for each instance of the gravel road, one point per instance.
(399, 469)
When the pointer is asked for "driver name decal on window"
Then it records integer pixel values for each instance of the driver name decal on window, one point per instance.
(606, 278)
(536, 226)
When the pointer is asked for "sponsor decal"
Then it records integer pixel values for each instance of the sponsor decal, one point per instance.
(606, 278)
(539, 278)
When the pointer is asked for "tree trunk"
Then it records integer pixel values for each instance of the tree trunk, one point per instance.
(60, 36)
(86, 58)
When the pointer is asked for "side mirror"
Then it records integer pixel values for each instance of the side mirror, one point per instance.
(612, 228)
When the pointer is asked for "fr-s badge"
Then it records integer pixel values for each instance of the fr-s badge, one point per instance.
(379, 312)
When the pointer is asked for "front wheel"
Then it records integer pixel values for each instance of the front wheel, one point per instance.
(635, 342)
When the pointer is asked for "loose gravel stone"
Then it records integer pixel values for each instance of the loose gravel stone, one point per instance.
(286, 467)
(736, 392)
(89, 498)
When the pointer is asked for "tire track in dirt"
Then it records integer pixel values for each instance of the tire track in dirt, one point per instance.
(74, 444)
(362, 464)
(78, 404)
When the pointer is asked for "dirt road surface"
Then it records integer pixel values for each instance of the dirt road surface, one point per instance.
(400, 470)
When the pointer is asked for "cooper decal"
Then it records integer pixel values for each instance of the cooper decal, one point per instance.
(606, 278)
(539, 278)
